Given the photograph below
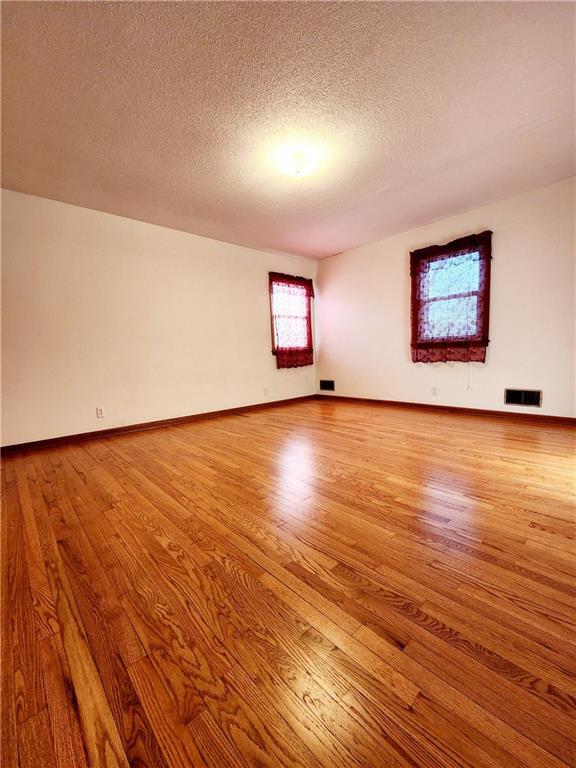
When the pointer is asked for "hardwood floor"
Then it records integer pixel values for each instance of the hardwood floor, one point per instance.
(320, 584)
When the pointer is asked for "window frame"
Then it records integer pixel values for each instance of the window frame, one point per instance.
(455, 348)
(292, 357)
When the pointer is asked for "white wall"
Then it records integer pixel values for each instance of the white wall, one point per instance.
(151, 323)
(363, 309)
(145, 322)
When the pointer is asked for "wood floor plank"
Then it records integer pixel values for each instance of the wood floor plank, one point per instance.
(103, 622)
(42, 601)
(210, 678)
(232, 613)
(8, 728)
(29, 698)
(176, 742)
(424, 627)
(519, 711)
(440, 688)
(62, 705)
(100, 734)
(35, 742)
(216, 749)
(323, 585)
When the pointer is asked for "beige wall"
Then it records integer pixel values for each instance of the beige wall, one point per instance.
(146, 322)
(150, 323)
(363, 307)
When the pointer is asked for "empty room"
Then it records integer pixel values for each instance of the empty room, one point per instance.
(288, 385)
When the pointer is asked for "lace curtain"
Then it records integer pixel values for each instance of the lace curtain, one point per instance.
(290, 299)
(450, 300)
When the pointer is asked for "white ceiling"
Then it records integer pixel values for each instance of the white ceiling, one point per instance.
(166, 112)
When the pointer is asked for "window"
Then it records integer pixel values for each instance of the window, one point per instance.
(290, 300)
(450, 300)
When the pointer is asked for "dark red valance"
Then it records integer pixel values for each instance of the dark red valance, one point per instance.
(291, 320)
(451, 300)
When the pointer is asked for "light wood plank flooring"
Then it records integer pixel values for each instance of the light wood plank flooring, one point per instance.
(317, 584)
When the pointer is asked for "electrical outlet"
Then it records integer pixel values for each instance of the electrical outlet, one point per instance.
(265, 390)
(435, 390)
(99, 413)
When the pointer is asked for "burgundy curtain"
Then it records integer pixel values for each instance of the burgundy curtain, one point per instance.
(451, 300)
(291, 316)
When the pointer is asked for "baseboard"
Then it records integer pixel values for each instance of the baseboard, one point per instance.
(67, 439)
(538, 417)
(51, 442)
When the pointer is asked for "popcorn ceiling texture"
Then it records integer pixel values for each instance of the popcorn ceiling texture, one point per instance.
(164, 112)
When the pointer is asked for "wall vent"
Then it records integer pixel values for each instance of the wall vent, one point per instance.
(327, 385)
(523, 397)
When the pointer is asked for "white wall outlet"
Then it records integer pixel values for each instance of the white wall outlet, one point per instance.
(265, 390)
(99, 413)
(435, 390)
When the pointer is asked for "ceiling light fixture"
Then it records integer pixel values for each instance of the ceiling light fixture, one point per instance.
(297, 160)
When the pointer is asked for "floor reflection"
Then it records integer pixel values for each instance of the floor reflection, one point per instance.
(296, 470)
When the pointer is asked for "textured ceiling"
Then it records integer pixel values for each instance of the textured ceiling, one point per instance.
(166, 112)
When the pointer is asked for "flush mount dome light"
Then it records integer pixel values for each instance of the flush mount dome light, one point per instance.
(297, 160)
